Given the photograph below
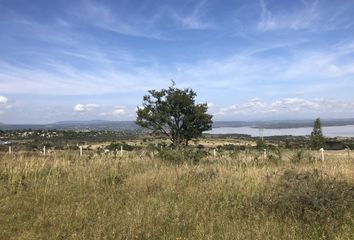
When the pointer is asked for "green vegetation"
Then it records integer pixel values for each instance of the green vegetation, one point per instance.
(115, 146)
(173, 113)
(317, 139)
(317, 200)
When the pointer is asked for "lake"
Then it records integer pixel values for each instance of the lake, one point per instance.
(333, 131)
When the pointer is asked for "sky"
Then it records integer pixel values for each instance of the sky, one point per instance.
(249, 60)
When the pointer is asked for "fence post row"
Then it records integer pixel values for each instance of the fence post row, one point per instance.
(322, 151)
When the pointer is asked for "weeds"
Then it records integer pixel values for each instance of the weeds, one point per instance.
(180, 156)
(68, 197)
(311, 197)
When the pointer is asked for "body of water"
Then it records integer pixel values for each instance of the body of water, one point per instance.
(335, 131)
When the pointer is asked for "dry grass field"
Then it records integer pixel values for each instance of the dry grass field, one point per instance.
(141, 196)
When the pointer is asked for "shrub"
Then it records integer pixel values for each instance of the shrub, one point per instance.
(186, 155)
(311, 197)
(298, 156)
(231, 147)
(261, 145)
(117, 146)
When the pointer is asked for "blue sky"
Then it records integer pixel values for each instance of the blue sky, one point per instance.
(261, 59)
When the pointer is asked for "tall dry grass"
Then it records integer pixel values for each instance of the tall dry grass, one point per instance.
(234, 196)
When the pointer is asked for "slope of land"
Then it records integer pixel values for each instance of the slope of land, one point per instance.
(142, 196)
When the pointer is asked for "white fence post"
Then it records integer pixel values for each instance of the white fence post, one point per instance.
(322, 154)
(80, 151)
(121, 150)
(10, 150)
(44, 150)
(214, 152)
(265, 153)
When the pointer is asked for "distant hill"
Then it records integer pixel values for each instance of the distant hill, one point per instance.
(80, 122)
(76, 125)
(130, 125)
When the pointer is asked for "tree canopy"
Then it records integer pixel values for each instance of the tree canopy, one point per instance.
(172, 112)
(317, 139)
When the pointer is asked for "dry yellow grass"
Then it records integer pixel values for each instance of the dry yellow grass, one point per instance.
(63, 196)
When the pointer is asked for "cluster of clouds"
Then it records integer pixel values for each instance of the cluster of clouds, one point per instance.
(82, 108)
(283, 58)
(253, 107)
(117, 111)
(126, 74)
(286, 105)
(304, 18)
(97, 109)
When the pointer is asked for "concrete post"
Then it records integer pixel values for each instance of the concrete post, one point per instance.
(322, 154)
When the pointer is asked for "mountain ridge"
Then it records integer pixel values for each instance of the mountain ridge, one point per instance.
(119, 125)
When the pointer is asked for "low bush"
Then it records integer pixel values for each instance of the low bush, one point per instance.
(231, 147)
(185, 155)
(116, 146)
(311, 197)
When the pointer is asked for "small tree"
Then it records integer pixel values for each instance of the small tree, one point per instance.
(317, 139)
(173, 112)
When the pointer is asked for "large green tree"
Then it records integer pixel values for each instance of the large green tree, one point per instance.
(173, 112)
(317, 139)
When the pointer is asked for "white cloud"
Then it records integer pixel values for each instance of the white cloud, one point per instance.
(4, 104)
(210, 105)
(85, 107)
(117, 111)
(60, 78)
(191, 19)
(3, 100)
(192, 22)
(326, 66)
(288, 105)
(79, 108)
(101, 16)
(302, 18)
